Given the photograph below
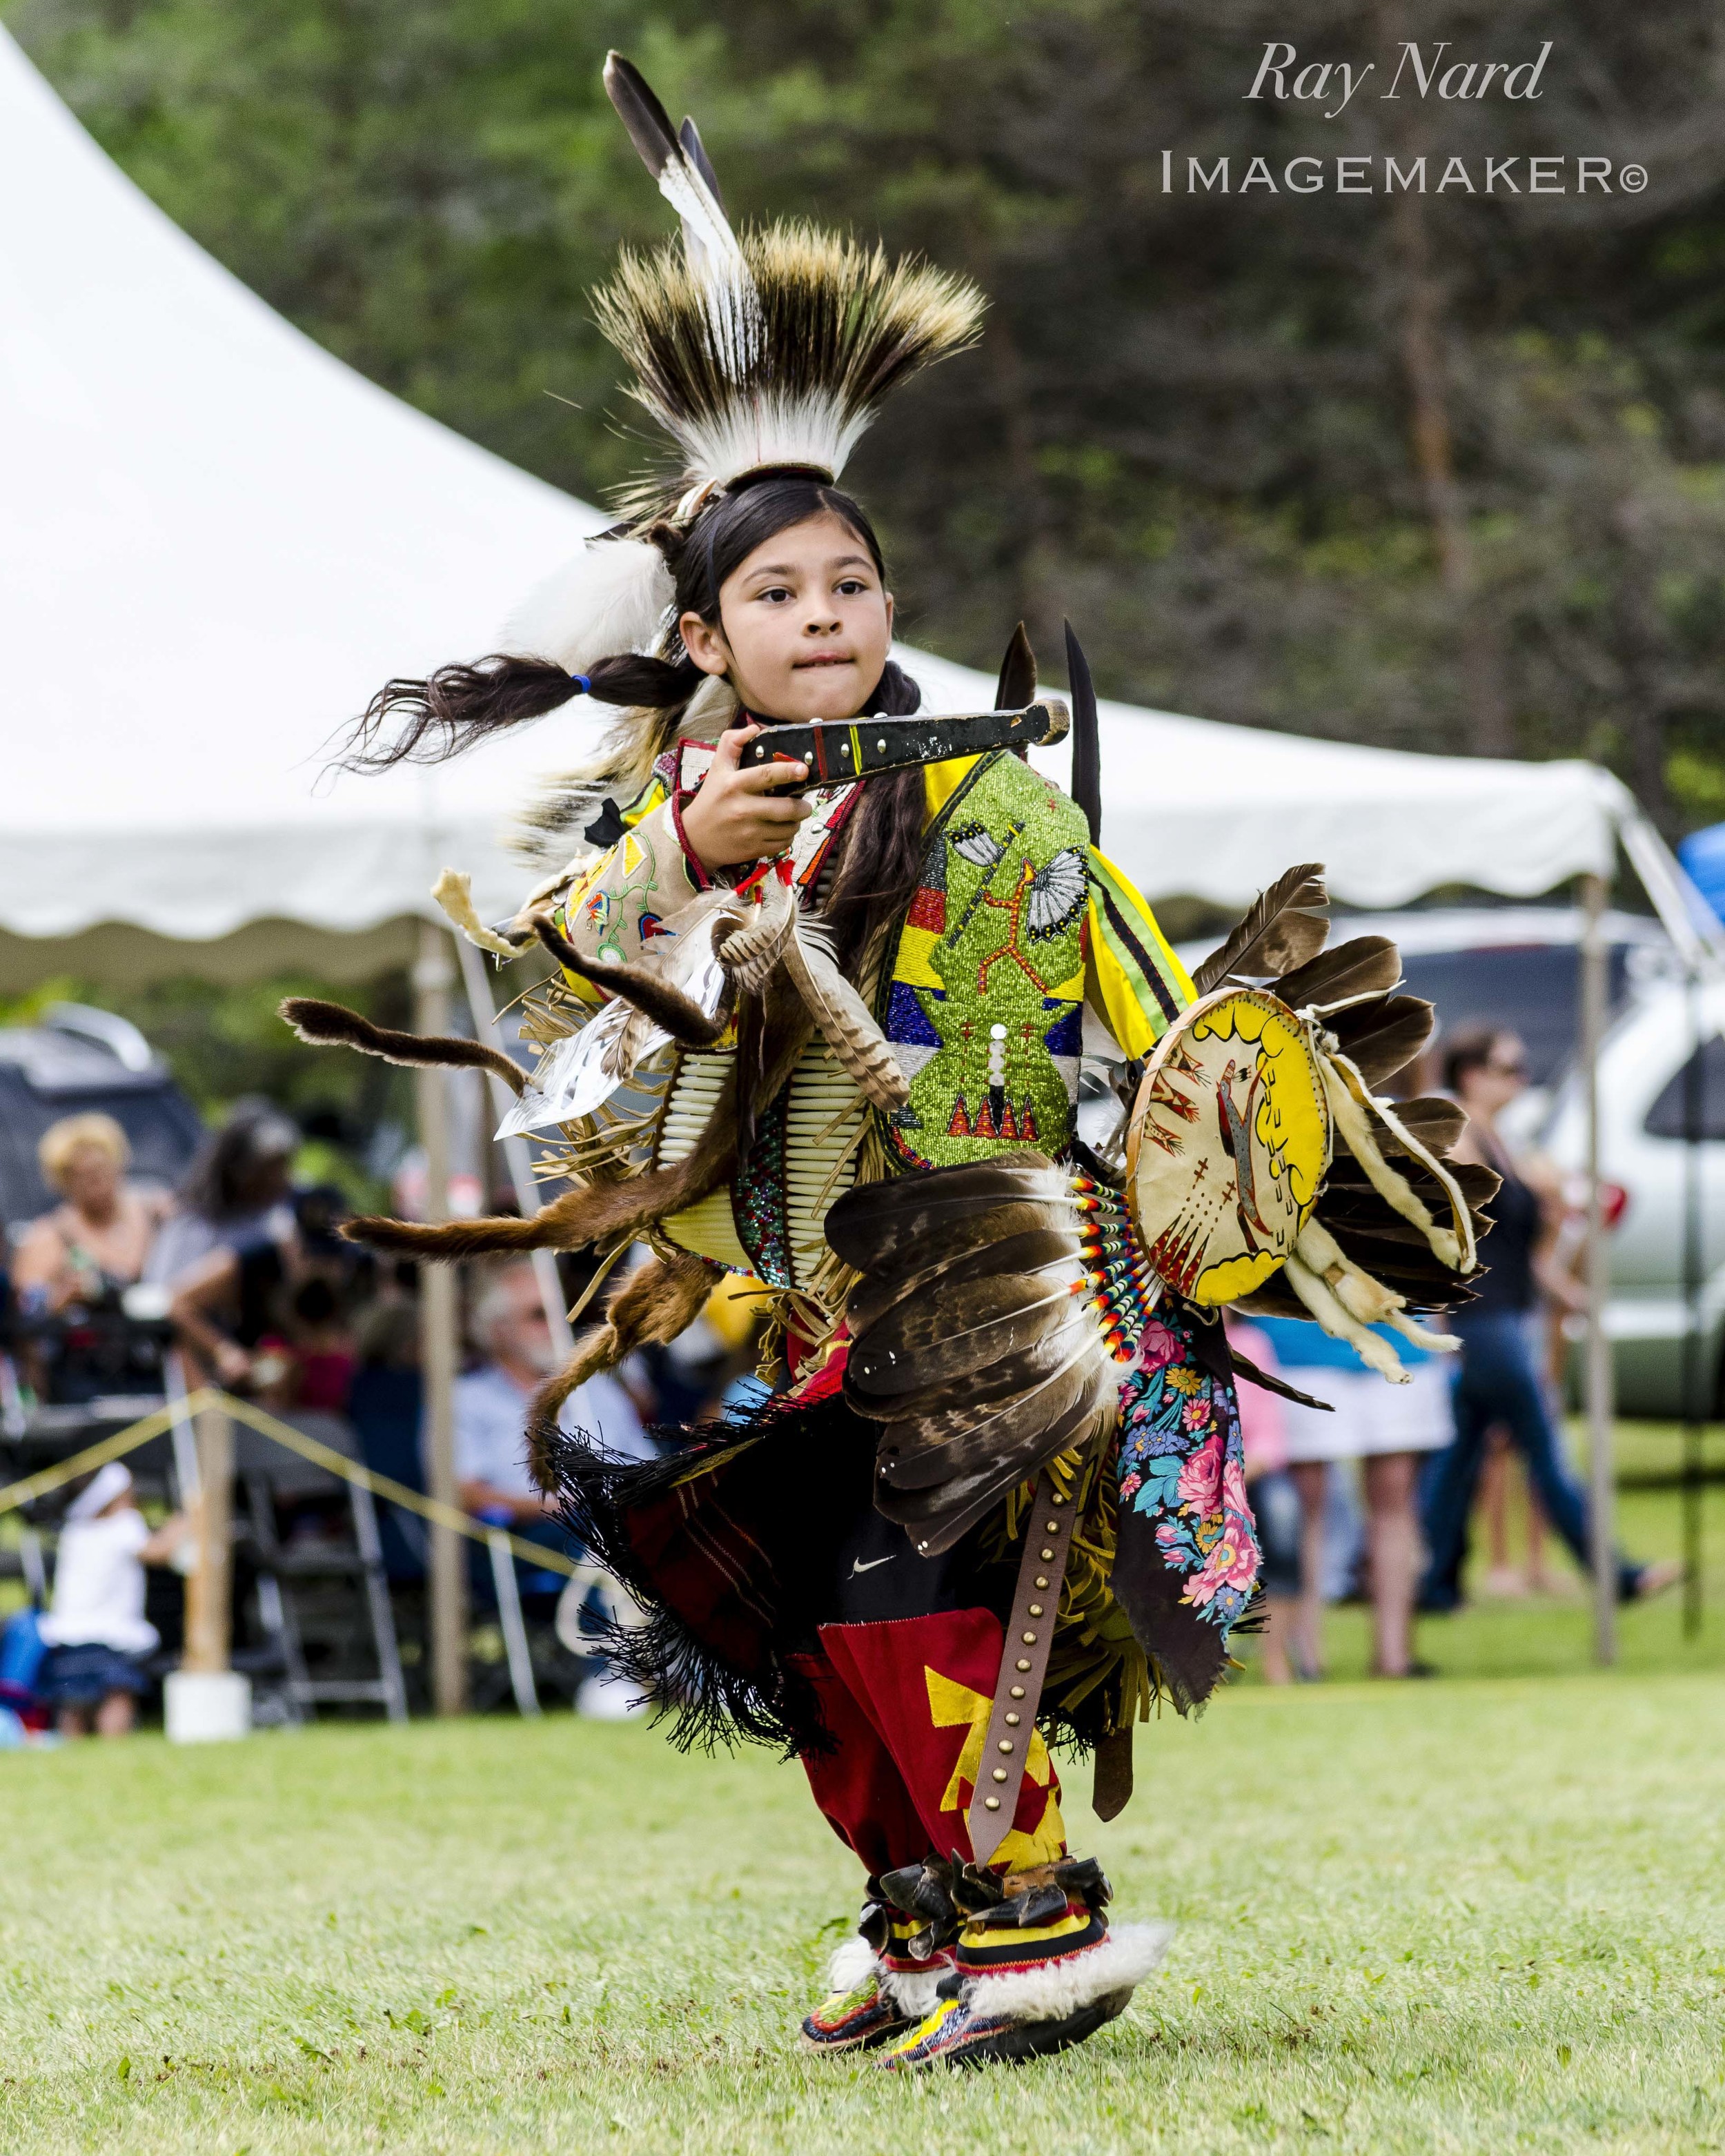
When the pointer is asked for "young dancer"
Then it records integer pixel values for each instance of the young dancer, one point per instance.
(826, 968)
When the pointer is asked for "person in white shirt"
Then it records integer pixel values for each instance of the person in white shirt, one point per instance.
(97, 1631)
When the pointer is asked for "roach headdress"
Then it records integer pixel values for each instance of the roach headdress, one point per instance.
(759, 351)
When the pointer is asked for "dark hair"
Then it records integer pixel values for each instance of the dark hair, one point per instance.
(224, 1172)
(460, 705)
(1469, 1048)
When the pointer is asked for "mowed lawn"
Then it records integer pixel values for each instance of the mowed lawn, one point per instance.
(1484, 1913)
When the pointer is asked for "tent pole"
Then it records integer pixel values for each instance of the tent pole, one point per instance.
(476, 985)
(432, 978)
(1601, 1465)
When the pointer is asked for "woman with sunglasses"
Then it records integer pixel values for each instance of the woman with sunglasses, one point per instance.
(1498, 1382)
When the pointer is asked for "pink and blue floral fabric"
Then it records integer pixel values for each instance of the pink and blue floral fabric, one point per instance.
(1183, 1466)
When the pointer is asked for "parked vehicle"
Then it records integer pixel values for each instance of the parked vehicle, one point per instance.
(76, 1060)
(1645, 1161)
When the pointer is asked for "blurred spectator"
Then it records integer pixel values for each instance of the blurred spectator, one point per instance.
(1385, 1428)
(74, 1264)
(513, 1335)
(1499, 1381)
(492, 1404)
(97, 1631)
(227, 1251)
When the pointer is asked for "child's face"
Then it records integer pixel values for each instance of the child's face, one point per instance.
(805, 624)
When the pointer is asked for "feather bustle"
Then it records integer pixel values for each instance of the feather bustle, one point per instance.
(1278, 933)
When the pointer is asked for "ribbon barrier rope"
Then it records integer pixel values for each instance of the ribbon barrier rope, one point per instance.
(153, 1425)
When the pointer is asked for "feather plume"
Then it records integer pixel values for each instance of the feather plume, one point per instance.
(615, 595)
(684, 179)
(843, 1019)
(331, 1025)
(1380, 1038)
(970, 1340)
(787, 357)
(1365, 966)
(751, 944)
(1282, 930)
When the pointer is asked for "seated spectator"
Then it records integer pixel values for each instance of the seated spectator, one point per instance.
(491, 1402)
(491, 1406)
(74, 1263)
(96, 1630)
(226, 1250)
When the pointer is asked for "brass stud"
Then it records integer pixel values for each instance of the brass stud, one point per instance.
(1052, 1529)
(1018, 1692)
(1023, 1665)
(1048, 1556)
(1043, 1584)
(1000, 1774)
(1012, 1721)
(1005, 1746)
(991, 1804)
(1029, 1638)
(1035, 1608)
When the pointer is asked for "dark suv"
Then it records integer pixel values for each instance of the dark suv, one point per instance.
(77, 1061)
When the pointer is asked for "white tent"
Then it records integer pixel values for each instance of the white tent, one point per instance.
(216, 540)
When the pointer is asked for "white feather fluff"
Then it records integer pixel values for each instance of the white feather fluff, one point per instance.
(612, 596)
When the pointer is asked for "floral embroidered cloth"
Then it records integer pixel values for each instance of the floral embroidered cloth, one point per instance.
(1188, 1555)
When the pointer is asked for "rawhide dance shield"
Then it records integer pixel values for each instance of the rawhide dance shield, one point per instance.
(1228, 1145)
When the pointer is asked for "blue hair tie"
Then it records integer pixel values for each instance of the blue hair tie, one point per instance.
(582, 685)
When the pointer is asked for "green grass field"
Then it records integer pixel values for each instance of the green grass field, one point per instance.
(1486, 1913)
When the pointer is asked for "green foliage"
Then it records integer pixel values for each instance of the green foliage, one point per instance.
(1190, 424)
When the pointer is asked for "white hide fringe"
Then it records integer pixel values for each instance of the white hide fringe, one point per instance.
(1050, 1992)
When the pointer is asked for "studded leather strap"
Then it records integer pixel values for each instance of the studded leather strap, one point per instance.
(1024, 1664)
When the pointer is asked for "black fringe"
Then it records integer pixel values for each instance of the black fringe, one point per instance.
(710, 1698)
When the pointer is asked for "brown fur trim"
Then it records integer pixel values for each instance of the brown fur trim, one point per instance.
(682, 1018)
(658, 1301)
(332, 1025)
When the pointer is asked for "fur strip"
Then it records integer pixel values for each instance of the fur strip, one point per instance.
(1050, 1993)
(677, 1014)
(656, 1303)
(332, 1025)
(580, 1216)
(853, 1962)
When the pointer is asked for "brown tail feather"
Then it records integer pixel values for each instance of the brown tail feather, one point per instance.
(332, 1025)
(1280, 932)
(682, 1018)
(657, 1301)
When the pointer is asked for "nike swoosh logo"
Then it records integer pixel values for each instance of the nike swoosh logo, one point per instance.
(857, 1564)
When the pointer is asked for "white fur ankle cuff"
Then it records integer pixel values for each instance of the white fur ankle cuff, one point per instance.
(1056, 1988)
